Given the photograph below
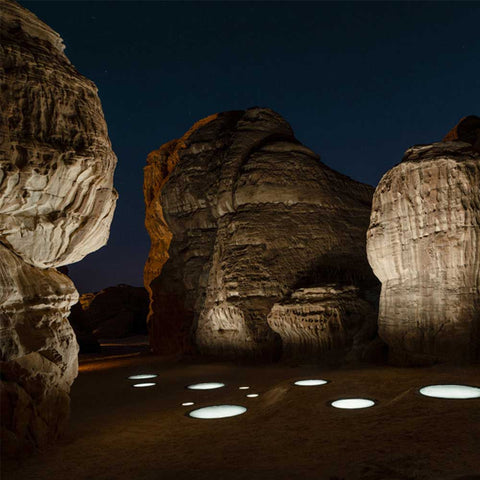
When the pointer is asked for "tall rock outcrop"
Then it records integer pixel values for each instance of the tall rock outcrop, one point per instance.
(241, 215)
(424, 246)
(56, 205)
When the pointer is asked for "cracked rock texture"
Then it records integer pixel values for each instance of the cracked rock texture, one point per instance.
(424, 246)
(56, 205)
(241, 215)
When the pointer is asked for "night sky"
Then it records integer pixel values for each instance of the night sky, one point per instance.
(358, 82)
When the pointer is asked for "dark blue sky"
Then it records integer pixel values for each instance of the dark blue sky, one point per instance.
(358, 82)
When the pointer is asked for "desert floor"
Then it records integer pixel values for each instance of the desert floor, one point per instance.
(288, 432)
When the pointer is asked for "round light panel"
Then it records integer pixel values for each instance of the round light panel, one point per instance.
(206, 386)
(144, 376)
(458, 392)
(217, 411)
(310, 383)
(352, 403)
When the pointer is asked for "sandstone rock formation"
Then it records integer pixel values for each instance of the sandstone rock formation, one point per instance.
(241, 215)
(56, 205)
(114, 312)
(331, 320)
(424, 246)
(467, 130)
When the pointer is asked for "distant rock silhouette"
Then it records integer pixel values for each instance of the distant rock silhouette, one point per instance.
(115, 312)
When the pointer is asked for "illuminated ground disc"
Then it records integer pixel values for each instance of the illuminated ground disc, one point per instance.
(143, 385)
(252, 395)
(451, 391)
(143, 376)
(206, 386)
(217, 411)
(353, 403)
(310, 383)
(187, 404)
(243, 388)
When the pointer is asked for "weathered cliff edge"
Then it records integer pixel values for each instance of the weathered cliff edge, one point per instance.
(424, 246)
(241, 215)
(56, 205)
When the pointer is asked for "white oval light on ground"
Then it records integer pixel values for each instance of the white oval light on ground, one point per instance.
(252, 395)
(243, 388)
(187, 404)
(352, 403)
(206, 386)
(451, 391)
(143, 385)
(310, 383)
(143, 376)
(218, 411)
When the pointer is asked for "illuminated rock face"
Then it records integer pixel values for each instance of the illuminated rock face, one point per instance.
(56, 205)
(241, 215)
(424, 246)
(39, 353)
(325, 322)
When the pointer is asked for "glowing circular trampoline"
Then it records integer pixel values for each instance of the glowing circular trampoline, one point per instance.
(252, 395)
(217, 411)
(144, 376)
(206, 386)
(143, 385)
(458, 392)
(352, 403)
(310, 383)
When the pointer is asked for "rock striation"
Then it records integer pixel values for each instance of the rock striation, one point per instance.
(333, 321)
(424, 246)
(56, 205)
(241, 215)
(56, 198)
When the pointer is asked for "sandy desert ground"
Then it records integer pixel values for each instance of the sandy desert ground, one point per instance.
(288, 432)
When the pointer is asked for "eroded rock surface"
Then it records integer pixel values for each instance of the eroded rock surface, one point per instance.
(325, 322)
(241, 215)
(56, 177)
(424, 246)
(56, 205)
(39, 352)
